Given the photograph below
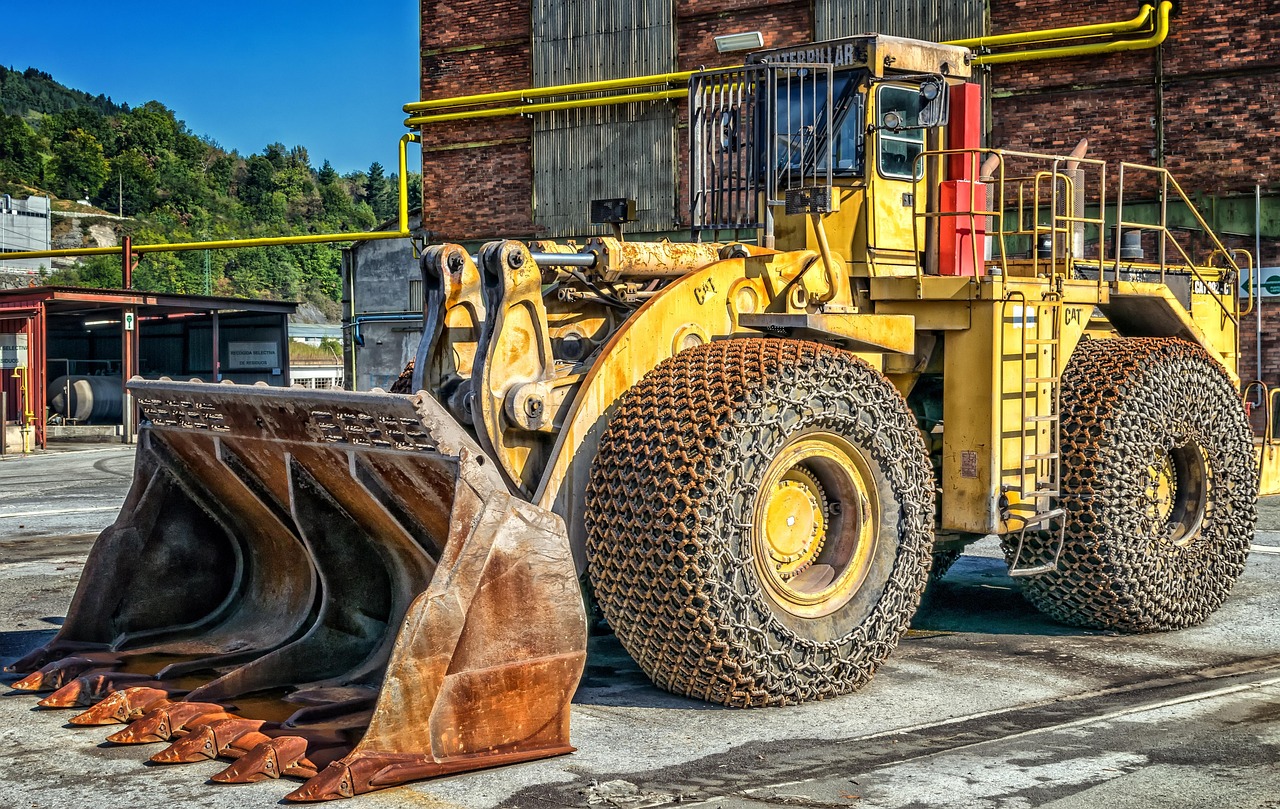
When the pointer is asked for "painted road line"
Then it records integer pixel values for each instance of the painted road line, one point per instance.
(57, 511)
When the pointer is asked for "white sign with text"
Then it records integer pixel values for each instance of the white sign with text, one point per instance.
(253, 356)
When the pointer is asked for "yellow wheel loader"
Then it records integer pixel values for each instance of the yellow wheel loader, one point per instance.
(886, 341)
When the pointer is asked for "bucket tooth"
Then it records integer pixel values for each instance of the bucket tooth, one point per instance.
(91, 689)
(292, 756)
(123, 706)
(209, 741)
(161, 724)
(52, 652)
(55, 675)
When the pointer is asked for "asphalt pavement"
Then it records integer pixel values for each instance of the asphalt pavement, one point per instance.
(985, 704)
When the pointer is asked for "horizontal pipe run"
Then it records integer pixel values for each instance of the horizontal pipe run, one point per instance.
(527, 93)
(529, 109)
(1052, 34)
(266, 241)
(1159, 33)
(1158, 36)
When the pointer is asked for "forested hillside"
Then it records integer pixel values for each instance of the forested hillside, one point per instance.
(174, 185)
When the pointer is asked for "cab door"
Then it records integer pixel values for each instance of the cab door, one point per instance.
(895, 143)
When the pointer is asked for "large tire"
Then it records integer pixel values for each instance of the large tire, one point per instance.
(760, 521)
(1159, 489)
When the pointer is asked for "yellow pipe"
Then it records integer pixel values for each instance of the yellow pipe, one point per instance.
(1158, 36)
(528, 109)
(1047, 35)
(681, 77)
(265, 241)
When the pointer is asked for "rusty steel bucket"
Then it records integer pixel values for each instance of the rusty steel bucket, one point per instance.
(321, 578)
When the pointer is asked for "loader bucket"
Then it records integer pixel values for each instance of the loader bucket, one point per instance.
(348, 568)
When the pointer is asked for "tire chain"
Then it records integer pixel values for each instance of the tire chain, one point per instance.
(1123, 403)
(669, 554)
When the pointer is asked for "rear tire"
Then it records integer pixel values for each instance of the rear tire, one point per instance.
(759, 522)
(1159, 488)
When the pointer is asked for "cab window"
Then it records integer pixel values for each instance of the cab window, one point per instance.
(797, 113)
(900, 139)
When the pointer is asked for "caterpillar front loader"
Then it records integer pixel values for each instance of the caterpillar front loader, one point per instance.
(753, 451)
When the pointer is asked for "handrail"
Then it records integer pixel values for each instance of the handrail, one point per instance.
(401, 232)
(1162, 228)
(1265, 401)
(1000, 213)
(1156, 38)
(1255, 280)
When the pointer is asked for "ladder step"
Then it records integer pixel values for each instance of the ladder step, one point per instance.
(1042, 418)
(1035, 380)
(1040, 493)
(1043, 342)
(1045, 516)
(1044, 456)
(1019, 572)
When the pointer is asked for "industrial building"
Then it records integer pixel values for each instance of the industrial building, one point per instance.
(25, 225)
(65, 353)
(1203, 103)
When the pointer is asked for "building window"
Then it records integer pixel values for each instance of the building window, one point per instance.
(415, 296)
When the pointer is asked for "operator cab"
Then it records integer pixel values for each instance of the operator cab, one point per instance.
(835, 129)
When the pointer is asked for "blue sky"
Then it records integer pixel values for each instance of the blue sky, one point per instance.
(330, 76)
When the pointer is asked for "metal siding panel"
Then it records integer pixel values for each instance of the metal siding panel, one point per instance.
(623, 150)
(936, 20)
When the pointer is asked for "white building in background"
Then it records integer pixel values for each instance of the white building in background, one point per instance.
(321, 373)
(25, 225)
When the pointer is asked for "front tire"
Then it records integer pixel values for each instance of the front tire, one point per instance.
(1159, 487)
(759, 522)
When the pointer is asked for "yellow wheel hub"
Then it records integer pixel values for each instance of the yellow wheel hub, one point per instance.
(795, 522)
(816, 523)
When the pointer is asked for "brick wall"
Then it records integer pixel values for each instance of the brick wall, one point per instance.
(1220, 72)
(1221, 101)
(477, 175)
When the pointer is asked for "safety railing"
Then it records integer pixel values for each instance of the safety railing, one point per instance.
(1267, 401)
(1228, 301)
(1028, 195)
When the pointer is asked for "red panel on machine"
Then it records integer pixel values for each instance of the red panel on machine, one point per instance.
(956, 233)
(960, 193)
(964, 131)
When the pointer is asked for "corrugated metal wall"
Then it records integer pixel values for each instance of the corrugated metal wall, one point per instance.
(627, 150)
(936, 20)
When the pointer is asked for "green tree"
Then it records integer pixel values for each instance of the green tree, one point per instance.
(59, 126)
(150, 129)
(131, 184)
(327, 175)
(378, 193)
(19, 151)
(79, 166)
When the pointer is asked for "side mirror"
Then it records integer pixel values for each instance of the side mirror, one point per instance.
(935, 108)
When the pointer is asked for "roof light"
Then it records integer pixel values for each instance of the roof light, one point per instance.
(739, 42)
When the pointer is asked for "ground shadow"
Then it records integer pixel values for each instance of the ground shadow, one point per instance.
(612, 678)
(977, 595)
(14, 645)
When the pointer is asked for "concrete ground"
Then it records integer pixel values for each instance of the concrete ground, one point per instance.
(985, 703)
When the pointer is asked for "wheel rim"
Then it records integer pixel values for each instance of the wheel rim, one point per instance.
(815, 524)
(1175, 494)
